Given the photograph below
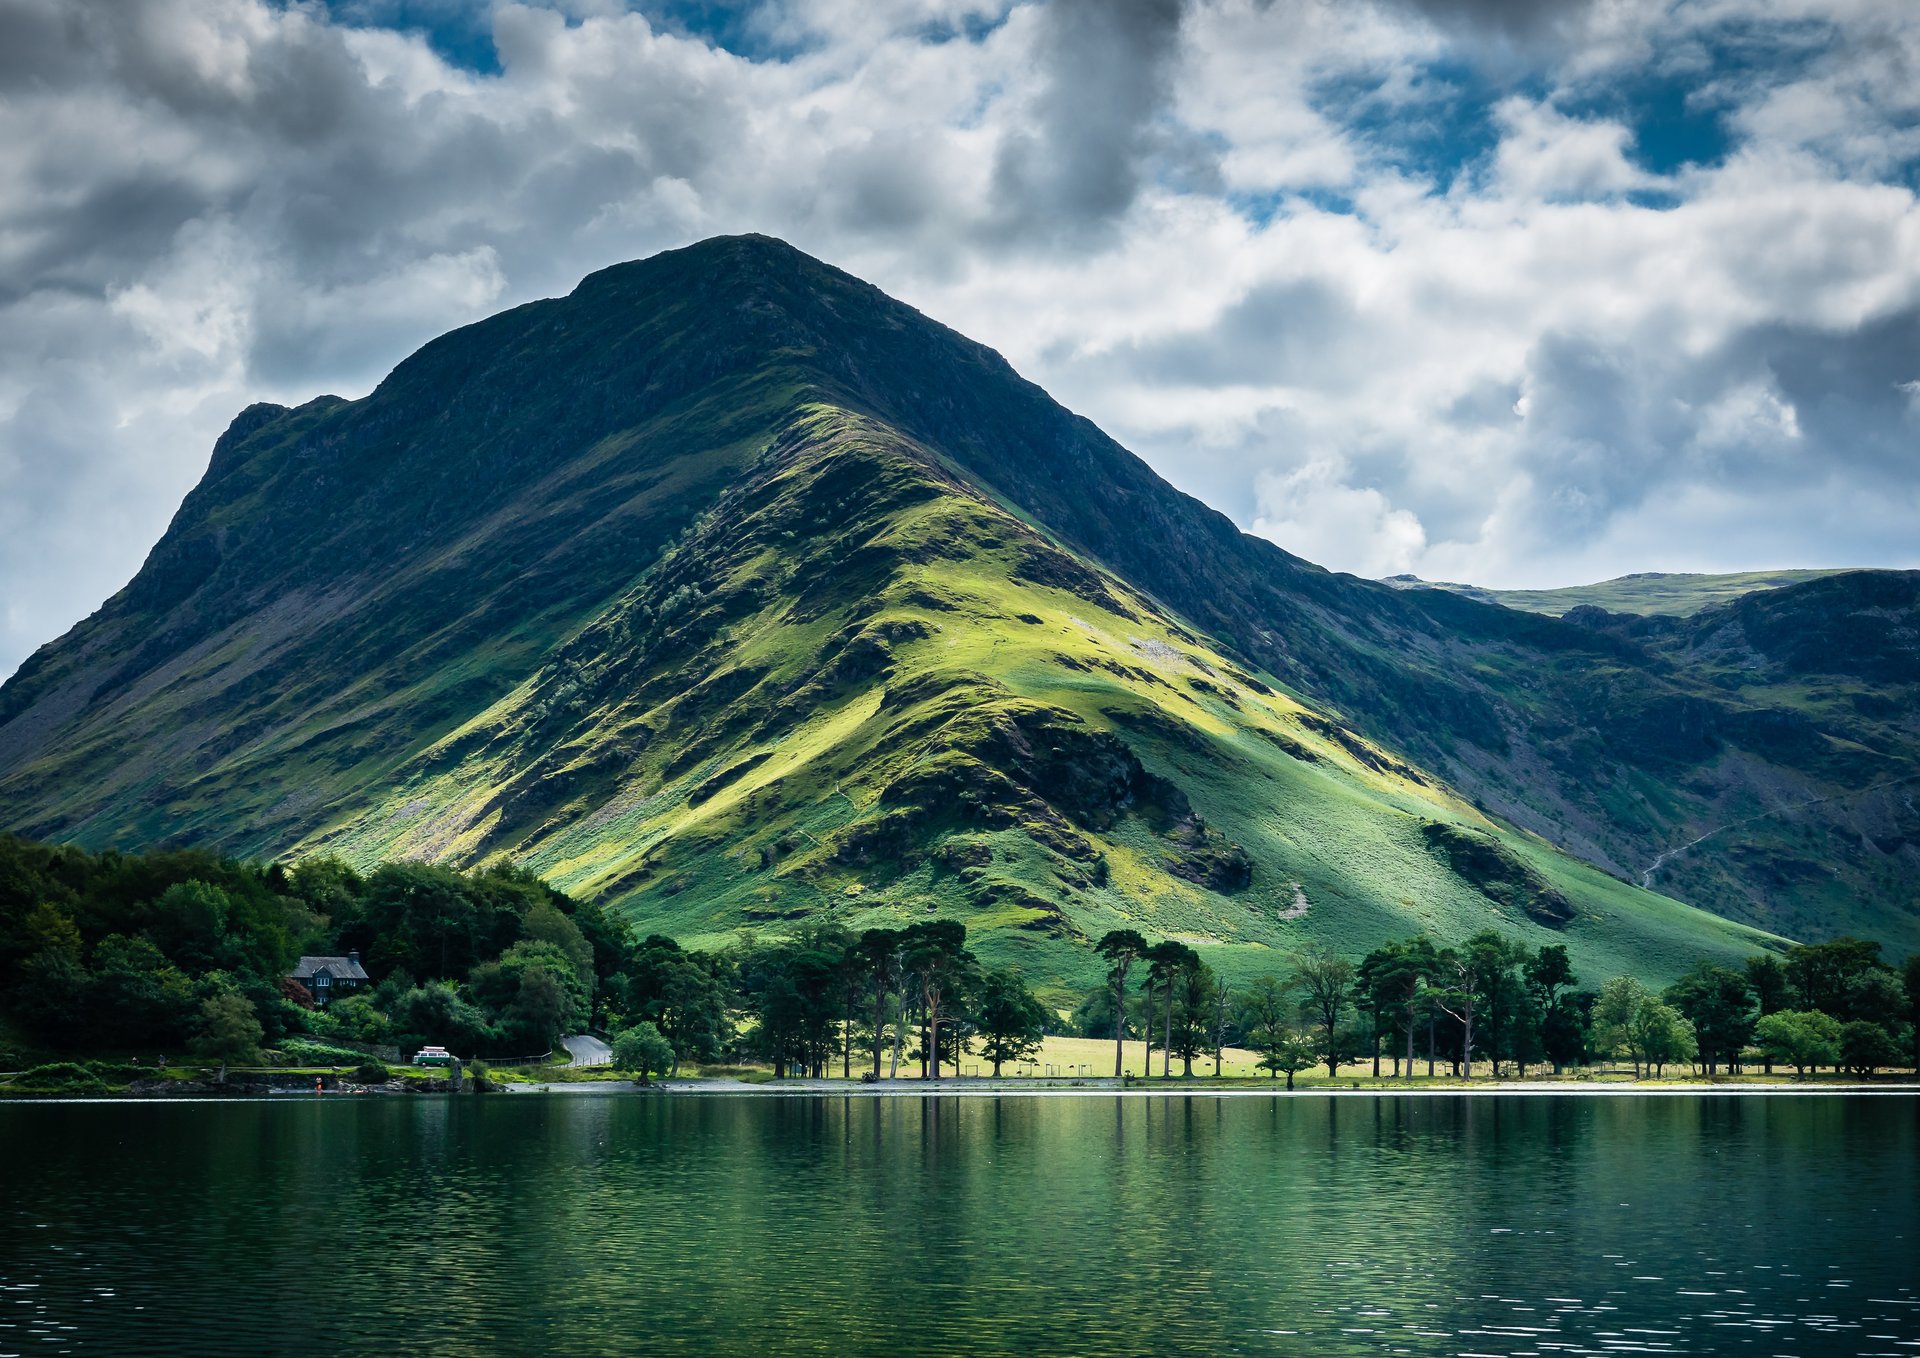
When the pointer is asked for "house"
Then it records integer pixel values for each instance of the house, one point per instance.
(328, 977)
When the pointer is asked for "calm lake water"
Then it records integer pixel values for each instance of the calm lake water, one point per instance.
(595, 1224)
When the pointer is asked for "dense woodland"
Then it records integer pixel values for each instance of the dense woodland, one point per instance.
(185, 951)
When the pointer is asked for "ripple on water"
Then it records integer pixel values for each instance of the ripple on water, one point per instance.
(590, 1225)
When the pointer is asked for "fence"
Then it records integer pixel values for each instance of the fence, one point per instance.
(509, 1062)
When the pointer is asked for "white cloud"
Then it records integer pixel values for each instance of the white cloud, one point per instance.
(1251, 256)
(1314, 513)
(1545, 154)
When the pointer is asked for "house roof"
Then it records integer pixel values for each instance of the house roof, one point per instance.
(346, 968)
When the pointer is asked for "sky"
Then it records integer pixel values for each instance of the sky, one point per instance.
(1486, 290)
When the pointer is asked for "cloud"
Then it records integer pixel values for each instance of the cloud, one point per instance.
(1395, 283)
(1312, 512)
(1080, 157)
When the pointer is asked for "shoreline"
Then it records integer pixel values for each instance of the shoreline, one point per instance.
(986, 1088)
(1034, 1089)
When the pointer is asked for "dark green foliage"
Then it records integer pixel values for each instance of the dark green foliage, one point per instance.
(1009, 1019)
(1800, 1038)
(1865, 1047)
(536, 995)
(436, 1014)
(1718, 1002)
(165, 949)
(683, 994)
(57, 1077)
(1820, 975)
(1093, 1016)
(792, 989)
(1324, 985)
(643, 1050)
(1910, 983)
(1767, 976)
(228, 1031)
(1120, 948)
(935, 956)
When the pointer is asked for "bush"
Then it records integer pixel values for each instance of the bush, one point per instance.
(642, 1050)
(310, 1053)
(116, 1072)
(58, 1077)
(371, 1073)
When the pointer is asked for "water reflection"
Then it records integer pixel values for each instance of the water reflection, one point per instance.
(586, 1225)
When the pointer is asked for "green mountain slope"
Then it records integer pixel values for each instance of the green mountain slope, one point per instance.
(706, 587)
(860, 688)
(1668, 593)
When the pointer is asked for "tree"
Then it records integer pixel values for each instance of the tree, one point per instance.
(1660, 1033)
(792, 989)
(644, 1051)
(1264, 1008)
(1165, 961)
(1562, 1034)
(1093, 1016)
(1292, 1053)
(936, 956)
(532, 995)
(1457, 994)
(878, 957)
(1801, 1038)
(1195, 991)
(229, 1031)
(1378, 986)
(1563, 1030)
(1865, 1046)
(1718, 1002)
(1548, 971)
(1910, 982)
(545, 924)
(190, 927)
(1120, 947)
(50, 990)
(1505, 1004)
(1222, 1016)
(137, 995)
(1875, 995)
(426, 919)
(1011, 1021)
(1767, 975)
(681, 994)
(1406, 977)
(1614, 1011)
(1819, 974)
(1325, 984)
(437, 1014)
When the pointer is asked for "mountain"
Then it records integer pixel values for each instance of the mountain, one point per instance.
(731, 591)
(1668, 593)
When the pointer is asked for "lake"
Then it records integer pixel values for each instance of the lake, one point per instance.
(611, 1224)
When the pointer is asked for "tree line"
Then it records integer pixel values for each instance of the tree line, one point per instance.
(1493, 999)
(185, 950)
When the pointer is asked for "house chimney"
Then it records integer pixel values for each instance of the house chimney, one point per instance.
(353, 956)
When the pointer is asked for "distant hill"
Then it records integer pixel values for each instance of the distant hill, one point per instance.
(1653, 593)
(731, 592)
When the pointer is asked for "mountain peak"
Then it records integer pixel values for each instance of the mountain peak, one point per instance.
(734, 589)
